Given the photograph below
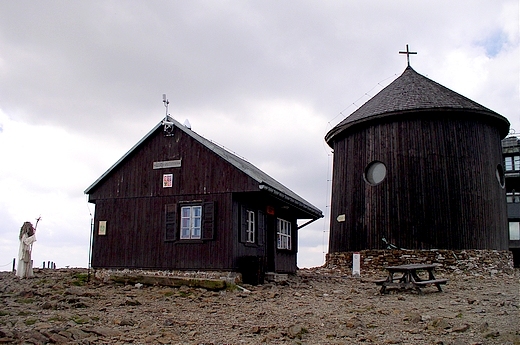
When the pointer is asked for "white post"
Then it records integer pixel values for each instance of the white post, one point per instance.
(356, 264)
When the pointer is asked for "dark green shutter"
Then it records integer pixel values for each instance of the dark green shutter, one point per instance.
(208, 221)
(260, 230)
(170, 222)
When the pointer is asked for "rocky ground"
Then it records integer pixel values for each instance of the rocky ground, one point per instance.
(317, 306)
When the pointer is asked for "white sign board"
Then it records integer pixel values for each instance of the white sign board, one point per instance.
(356, 264)
(167, 164)
(102, 231)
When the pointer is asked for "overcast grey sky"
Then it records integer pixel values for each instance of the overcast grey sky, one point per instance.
(82, 82)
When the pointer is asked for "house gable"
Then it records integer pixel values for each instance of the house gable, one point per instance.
(193, 167)
(167, 148)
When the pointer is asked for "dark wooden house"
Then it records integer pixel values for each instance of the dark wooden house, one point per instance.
(178, 201)
(418, 166)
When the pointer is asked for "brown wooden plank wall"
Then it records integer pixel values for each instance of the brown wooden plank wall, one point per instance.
(132, 201)
(135, 238)
(440, 191)
(202, 171)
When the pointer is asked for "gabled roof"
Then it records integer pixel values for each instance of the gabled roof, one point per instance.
(413, 92)
(265, 181)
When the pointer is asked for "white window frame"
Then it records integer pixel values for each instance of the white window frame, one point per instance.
(512, 163)
(191, 222)
(251, 229)
(284, 238)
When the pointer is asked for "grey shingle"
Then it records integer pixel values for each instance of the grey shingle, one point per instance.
(411, 92)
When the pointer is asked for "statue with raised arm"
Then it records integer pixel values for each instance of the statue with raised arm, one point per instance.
(27, 238)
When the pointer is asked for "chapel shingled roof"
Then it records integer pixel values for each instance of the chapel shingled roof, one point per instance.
(412, 92)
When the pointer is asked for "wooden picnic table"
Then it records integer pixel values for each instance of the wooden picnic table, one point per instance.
(409, 278)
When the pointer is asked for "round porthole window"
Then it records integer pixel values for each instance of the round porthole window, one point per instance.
(375, 173)
(500, 176)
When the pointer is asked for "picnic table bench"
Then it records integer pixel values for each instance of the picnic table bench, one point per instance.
(408, 278)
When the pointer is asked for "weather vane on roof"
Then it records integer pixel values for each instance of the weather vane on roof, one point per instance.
(168, 125)
(408, 53)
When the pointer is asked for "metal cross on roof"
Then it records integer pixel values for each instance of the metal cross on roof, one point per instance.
(407, 52)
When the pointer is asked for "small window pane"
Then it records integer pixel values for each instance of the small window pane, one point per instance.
(196, 233)
(514, 231)
(185, 233)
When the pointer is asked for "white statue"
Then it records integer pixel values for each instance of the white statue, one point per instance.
(27, 238)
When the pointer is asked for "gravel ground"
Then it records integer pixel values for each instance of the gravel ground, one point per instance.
(316, 306)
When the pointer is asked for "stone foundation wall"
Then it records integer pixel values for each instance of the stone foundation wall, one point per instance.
(230, 277)
(491, 261)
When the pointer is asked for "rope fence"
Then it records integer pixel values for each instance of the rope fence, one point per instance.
(10, 263)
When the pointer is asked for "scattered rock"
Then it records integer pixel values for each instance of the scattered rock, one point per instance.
(36, 337)
(58, 339)
(317, 306)
(77, 334)
(354, 322)
(49, 305)
(413, 317)
(296, 331)
(492, 334)
(132, 302)
(104, 331)
(440, 323)
(126, 322)
(461, 328)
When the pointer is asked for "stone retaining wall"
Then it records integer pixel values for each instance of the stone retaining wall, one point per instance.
(490, 261)
(230, 277)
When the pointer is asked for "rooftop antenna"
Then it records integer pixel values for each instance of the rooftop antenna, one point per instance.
(166, 102)
(168, 125)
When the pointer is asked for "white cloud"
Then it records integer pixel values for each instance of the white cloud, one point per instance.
(82, 83)
(44, 172)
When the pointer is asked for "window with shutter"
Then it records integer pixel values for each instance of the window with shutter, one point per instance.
(189, 221)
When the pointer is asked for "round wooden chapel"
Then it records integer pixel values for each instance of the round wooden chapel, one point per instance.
(418, 166)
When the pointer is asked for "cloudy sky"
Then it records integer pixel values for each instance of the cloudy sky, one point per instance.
(82, 81)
